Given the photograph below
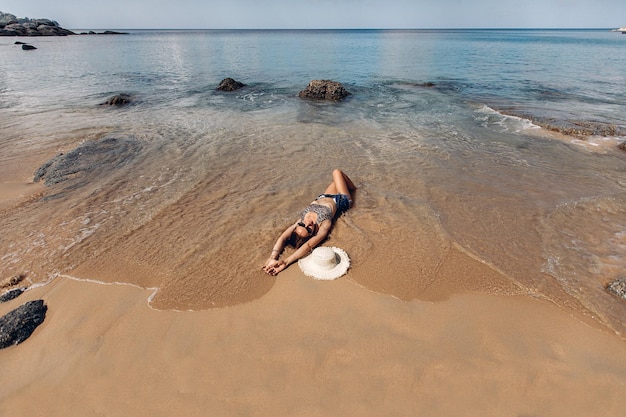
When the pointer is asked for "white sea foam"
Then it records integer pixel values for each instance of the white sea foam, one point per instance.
(599, 144)
(493, 119)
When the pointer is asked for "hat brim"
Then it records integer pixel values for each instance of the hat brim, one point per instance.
(309, 268)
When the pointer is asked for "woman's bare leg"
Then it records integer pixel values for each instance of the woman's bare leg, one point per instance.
(349, 183)
(341, 184)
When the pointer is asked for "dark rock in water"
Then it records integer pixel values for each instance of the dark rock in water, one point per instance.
(10, 295)
(19, 43)
(618, 287)
(427, 84)
(112, 32)
(228, 84)
(89, 156)
(324, 90)
(28, 47)
(106, 32)
(17, 325)
(119, 100)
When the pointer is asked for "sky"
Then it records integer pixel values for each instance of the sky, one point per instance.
(322, 14)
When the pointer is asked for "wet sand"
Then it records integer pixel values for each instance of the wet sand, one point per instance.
(15, 191)
(309, 348)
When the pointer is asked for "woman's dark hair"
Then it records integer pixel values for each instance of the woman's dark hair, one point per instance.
(296, 241)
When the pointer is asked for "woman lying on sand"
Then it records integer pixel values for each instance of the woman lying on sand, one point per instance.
(314, 223)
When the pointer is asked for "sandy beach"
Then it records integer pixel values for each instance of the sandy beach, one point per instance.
(309, 348)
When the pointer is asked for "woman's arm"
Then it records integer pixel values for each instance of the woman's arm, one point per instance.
(303, 250)
(278, 248)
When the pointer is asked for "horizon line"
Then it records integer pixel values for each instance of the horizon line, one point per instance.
(362, 28)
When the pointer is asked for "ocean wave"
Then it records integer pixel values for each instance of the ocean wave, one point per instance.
(493, 119)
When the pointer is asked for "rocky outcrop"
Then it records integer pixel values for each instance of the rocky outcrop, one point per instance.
(622, 146)
(324, 90)
(228, 84)
(12, 26)
(582, 129)
(19, 324)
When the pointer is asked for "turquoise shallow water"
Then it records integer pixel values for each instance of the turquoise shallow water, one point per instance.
(569, 72)
(441, 132)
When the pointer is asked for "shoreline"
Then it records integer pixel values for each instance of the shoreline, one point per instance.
(310, 348)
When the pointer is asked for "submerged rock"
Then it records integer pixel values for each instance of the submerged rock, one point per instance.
(618, 287)
(119, 100)
(583, 128)
(19, 324)
(622, 146)
(12, 281)
(324, 90)
(228, 84)
(108, 153)
(27, 47)
(427, 84)
(579, 129)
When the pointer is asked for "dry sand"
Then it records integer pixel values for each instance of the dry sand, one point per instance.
(309, 348)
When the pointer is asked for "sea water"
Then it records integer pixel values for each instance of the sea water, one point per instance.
(455, 139)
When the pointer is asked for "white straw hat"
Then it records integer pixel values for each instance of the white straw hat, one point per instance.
(325, 263)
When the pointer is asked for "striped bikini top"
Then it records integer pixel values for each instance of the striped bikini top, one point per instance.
(323, 212)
